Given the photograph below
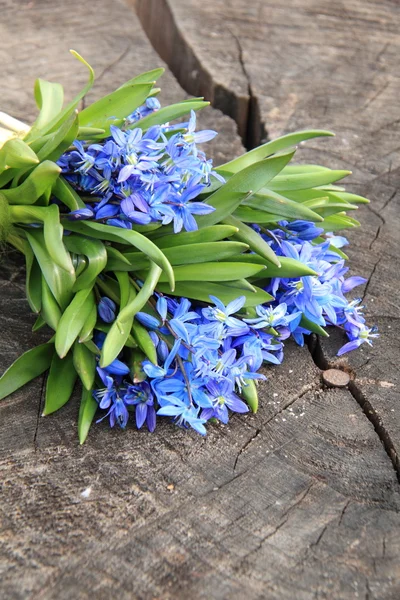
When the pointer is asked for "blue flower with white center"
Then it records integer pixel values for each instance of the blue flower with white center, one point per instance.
(221, 315)
(81, 160)
(192, 137)
(358, 335)
(222, 397)
(274, 317)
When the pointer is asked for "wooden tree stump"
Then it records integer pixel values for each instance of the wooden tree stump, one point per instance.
(301, 500)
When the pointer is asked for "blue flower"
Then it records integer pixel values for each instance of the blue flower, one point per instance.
(106, 309)
(184, 415)
(112, 398)
(80, 213)
(192, 137)
(221, 315)
(358, 335)
(154, 371)
(222, 398)
(274, 317)
(184, 209)
(142, 397)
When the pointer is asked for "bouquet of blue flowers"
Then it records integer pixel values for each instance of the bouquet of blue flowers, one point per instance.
(166, 282)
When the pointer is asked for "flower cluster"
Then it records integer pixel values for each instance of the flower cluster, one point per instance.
(320, 297)
(130, 234)
(205, 358)
(142, 178)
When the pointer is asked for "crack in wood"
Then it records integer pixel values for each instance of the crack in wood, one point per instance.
(256, 132)
(39, 412)
(115, 62)
(159, 25)
(283, 520)
(369, 411)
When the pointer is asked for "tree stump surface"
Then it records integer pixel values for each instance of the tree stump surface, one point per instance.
(301, 500)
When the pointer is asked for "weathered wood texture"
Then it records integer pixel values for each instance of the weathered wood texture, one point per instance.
(301, 500)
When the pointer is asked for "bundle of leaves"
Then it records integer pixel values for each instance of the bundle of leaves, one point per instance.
(167, 282)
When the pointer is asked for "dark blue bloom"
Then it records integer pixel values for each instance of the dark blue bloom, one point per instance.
(80, 213)
(106, 309)
(147, 320)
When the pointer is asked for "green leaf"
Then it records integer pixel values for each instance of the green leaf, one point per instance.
(60, 140)
(256, 243)
(281, 143)
(50, 311)
(38, 324)
(306, 180)
(60, 383)
(115, 107)
(214, 233)
(52, 230)
(250, 395)
(214, 271)
(126, 291)
(31, 364)
(183, 255)
(60, 117)
(40, 179)
(339, 221)
(86, 332)
(49, 99)
(295, 169)
(73, 320)
(146, 77)
(289, 266)
(329, 206)
(115, 255)
(33, 282)
(87, 411)
(85, 364)
(16, 153)
(242, 284)
(277, 204)
(144, 341)
(352, 198)
(59, 281)
(169, 113)
(192, 289)
(109, 287)
(96, 255)
(248, 181)
(67, 195)
(311, 326)
(90, 133)
(122, 326)
(126, 236)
